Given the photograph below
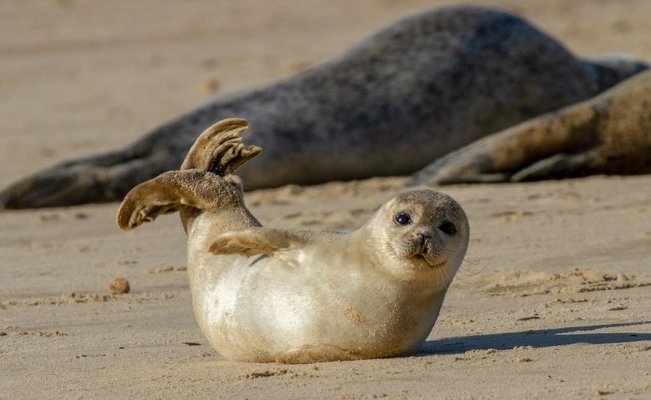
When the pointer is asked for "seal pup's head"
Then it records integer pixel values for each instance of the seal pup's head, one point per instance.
(421, 235)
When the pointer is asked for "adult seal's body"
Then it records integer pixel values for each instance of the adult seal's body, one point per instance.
(397, 101)
(264, 295)
(608, 134)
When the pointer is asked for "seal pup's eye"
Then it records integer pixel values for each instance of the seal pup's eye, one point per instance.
(403, 218)
(448, 228)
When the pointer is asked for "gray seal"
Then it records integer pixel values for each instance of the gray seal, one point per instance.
(407, 95)
(608, 134)
(297, 296)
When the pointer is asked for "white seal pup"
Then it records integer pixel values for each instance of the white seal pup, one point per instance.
(608, 134)
(423, 87)
(264, 295)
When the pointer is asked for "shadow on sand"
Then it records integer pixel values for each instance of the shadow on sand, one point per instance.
(537, 338)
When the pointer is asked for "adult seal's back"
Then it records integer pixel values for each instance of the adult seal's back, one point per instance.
(392, 104)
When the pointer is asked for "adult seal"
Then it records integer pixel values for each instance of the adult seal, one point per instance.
(409, 94)
(608, 134)
(264, 295)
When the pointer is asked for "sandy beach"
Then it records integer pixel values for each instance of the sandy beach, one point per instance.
(551, 302)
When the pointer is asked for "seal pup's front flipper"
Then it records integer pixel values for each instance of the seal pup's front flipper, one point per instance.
(256, 241)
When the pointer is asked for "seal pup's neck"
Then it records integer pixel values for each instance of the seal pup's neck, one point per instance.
(204, 227)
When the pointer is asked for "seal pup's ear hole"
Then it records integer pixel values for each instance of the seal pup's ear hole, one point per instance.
(448, 228)
(219, 149)
(256, 241)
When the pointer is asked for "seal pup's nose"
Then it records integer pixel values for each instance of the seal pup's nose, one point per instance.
(423, 236)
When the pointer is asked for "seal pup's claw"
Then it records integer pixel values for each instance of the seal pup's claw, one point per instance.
(219, 149)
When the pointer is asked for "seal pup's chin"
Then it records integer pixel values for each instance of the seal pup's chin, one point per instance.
(429, 262)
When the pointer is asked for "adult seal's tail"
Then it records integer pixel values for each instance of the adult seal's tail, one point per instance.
(422, 87)
(297, 296)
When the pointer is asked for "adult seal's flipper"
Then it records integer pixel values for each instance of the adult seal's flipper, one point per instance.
(102, 178)
(93, 179)
(516, 153)
(608, 134)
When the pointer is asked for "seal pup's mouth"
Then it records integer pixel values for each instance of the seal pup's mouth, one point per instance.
(425, 253)
(429, 261)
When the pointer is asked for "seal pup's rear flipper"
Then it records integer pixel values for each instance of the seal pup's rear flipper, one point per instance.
(174, 190)
(219, 149)
(204, 183)
(256, 241)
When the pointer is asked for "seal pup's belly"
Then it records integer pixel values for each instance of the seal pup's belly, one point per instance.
(257, 308)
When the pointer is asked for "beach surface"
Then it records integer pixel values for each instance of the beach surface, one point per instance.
(552, 302)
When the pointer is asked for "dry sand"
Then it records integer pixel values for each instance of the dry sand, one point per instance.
(552, 302)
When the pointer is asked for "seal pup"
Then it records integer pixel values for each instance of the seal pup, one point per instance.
(291, 296)
(608, 134)
(409, 94)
